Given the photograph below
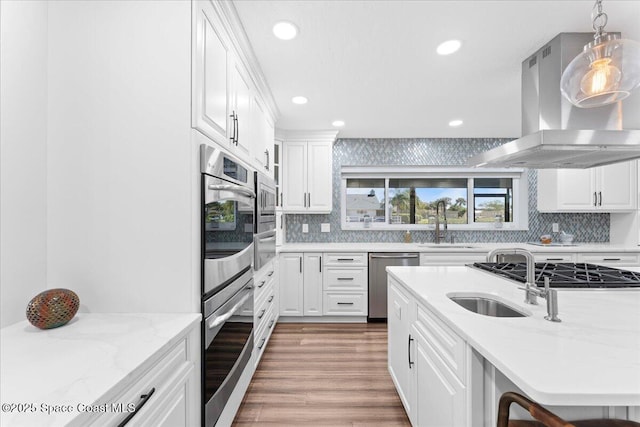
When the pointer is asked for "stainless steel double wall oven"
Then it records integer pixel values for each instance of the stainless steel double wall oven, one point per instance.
(228, 223)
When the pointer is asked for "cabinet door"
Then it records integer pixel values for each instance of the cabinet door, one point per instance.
(241, 110)
(291, 284)
(617, 186)
(294, 176)
(312, 284)
(576, 189)
(319, 176)
(439, 395)
(263, 136)
(399, 344)
(209, 91)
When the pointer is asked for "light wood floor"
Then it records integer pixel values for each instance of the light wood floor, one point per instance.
(323, 374)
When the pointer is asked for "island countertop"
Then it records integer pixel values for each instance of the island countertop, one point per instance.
(74, 365)
(590, 358)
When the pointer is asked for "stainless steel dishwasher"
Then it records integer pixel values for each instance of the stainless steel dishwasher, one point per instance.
(378, 262)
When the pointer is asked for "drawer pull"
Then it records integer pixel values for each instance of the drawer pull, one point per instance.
(345, 278)
(270, 273)
(262, 284)
(262, 341)
(345, 259)
(143, 399)
(345, 303)
(261, 313)
(611, 259)
(270, 298)
(554, 259)
(271, 323)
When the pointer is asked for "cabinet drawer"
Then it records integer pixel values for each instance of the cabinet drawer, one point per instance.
(345, 259)
(345, 303)
(451, 258)
(612, 259)
(159, 378)
(554, 257)
(445, 342)
(345, 279)
(263, 281)
(263, 308)
(264, 330)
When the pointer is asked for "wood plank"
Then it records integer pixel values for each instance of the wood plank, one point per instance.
(326, 375)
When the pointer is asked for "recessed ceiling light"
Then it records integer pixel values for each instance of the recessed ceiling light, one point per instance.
(448, 47)
(455, 123)
(337, 123)
(300, 100)
(285, 30)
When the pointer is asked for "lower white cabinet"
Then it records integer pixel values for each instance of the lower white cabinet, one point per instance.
(428, 362)
(265, 306)
(612, 259)
(439, 397)
(345, 284)
(300, 284)
(451, 258)
(164, 395)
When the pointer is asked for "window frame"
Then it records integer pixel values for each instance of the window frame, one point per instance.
(520, 194)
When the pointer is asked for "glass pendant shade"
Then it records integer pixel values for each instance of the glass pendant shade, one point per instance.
(607, 71)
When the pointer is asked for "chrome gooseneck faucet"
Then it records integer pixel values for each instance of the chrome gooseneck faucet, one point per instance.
(530, 288)
(440, 234)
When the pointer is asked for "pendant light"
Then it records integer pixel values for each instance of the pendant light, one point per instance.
(607, 70)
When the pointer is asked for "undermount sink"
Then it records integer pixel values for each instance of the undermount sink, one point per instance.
(445, 246)
(486, 305)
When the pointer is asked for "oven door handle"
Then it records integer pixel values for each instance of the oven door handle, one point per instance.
(233, 188)
(219, 320)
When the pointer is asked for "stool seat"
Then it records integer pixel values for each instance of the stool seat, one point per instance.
(546, 418)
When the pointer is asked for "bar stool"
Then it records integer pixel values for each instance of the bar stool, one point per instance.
(546, 418)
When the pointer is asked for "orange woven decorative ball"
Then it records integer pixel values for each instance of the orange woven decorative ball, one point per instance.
(52, 308)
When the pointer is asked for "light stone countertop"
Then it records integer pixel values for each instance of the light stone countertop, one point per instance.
(428, 247)
(78, 363)
(591, 358)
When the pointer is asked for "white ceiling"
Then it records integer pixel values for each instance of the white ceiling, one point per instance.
(373, 63)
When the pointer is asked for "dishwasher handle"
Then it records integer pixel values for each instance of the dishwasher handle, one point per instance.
(395, 256)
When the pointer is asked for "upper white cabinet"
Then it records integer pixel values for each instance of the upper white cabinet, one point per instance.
(228, 102)
(602, 189)
(210, 74)
(307, 184)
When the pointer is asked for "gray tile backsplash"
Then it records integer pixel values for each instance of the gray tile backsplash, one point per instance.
(587, 227)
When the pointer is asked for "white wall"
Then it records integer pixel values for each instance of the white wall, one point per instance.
(119, 167)
(23, 126)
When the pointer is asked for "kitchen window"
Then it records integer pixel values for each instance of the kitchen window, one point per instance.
(406, 198)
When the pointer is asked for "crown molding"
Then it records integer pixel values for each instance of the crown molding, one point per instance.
(306, 135)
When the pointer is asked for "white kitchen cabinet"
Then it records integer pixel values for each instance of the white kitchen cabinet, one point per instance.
(210, 74)
(608, 188)
(240, 112)
(439, 397)
(312, 271)
(611, 259)
(451, 258)
(262, 141)
(307, 183)
(345, 284)
(291, 284)
(266, 302)
(300, 284)
(399, 341)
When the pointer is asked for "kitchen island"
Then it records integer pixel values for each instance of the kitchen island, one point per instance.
(588, 365)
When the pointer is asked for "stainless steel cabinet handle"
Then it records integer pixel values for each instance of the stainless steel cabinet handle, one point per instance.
(221, 319)
(309, 199)
(300, 264)
(270, 298)
(144, 398)
(261, 313)
(344, 278)
(345, 303)
(553, 259)
(262, 341)
(271, 324)
(262, 284)
(409, 351)
(270, 273)
(233, 125)
(233, 188)
(320, 264)
(611, 259)
(599, 198)
(266, 152)
(237, 129)
(345, 259)
(595, 198)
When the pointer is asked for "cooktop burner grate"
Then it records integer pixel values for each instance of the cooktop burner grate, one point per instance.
(566, 275)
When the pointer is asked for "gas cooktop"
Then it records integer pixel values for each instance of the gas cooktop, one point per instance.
(566, 275)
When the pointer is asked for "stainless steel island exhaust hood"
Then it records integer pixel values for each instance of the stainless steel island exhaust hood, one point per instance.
(557, 134)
